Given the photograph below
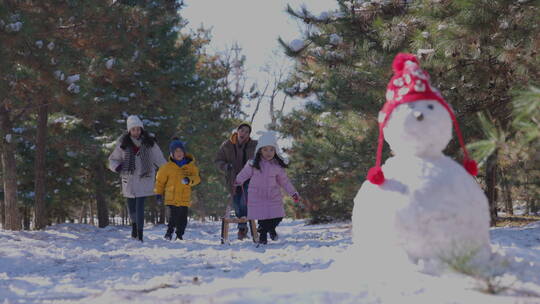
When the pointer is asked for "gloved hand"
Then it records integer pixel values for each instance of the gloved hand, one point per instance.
(296, 197)
(118, 168)
(159, 199)
(185, 180)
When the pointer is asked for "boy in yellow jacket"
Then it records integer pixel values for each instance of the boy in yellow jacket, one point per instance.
(174, 181)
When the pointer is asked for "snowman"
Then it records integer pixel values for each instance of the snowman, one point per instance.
(420, 206)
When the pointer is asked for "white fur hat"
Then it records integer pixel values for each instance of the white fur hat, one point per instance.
(134, 121)
(269, 138)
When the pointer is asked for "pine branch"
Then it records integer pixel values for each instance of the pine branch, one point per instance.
(291, 52)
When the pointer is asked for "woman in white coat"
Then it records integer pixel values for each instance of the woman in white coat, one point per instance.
(136, 157)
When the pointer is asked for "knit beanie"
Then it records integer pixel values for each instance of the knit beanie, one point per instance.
(175, 144)
(133, 121)
(269, 138)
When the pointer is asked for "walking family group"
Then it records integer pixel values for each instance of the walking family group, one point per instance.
(254, 167)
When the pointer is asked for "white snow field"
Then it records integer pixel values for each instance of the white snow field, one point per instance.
(76, 263)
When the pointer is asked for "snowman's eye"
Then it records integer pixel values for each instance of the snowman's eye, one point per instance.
(430, 107)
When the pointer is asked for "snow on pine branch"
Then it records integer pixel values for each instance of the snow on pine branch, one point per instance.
(297, 45)
(109, 64)
(13, 27)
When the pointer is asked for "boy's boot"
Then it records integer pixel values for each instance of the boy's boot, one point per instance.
(140, 235)
(134, 230)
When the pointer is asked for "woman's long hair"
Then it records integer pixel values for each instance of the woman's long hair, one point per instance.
(146, 140)
(258, 156)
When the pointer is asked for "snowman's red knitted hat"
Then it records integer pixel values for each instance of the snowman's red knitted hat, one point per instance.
(410, 83)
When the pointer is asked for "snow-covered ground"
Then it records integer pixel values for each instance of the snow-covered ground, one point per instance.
(76, 263)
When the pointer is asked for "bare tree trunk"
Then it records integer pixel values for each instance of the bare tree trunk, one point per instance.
(491, 183)
(259, 100)
(82, 216)
(9, 171)
(123, 215)
(101, 202)
(276, 69)
(26, 217)
(2, 204)
(161, 214)
(2, 208)
(508, 205)
(91, 205)
(532, 206)
(283, 104)
(273, 112)
(40, 167)
(152, 214)
(533, 203)
(201, 207)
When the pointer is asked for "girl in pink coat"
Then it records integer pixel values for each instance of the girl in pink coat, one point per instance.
(268, 176)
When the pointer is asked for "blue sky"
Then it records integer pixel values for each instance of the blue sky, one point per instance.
(255, 25)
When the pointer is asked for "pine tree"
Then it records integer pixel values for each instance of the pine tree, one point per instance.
(526, 120)
(88, 66)
(343, 68)
(53, 48)
(481, 57)
(474, 56)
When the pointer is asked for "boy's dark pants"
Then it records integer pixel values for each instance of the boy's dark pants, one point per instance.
(178, 217)
(266, 226)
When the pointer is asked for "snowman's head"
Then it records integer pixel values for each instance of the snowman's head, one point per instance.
(415, 120)
(420, 128)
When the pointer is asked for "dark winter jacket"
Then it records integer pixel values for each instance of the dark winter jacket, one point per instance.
(232, 157)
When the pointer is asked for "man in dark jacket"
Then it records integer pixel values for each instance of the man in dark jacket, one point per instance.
(233, 154)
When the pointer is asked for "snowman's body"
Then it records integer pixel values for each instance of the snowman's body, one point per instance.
(429, 207)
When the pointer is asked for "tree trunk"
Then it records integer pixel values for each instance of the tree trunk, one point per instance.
(491, 183)
(40, 168)
(2, 208)
(2, 205)
(123, 215)
(9, 172)
(508, 205)
(200, 205)
(162, 214)
(99, 184)
(82, 216)
(259, 100)
(91, 205)
(533, 205)
(26, 217)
